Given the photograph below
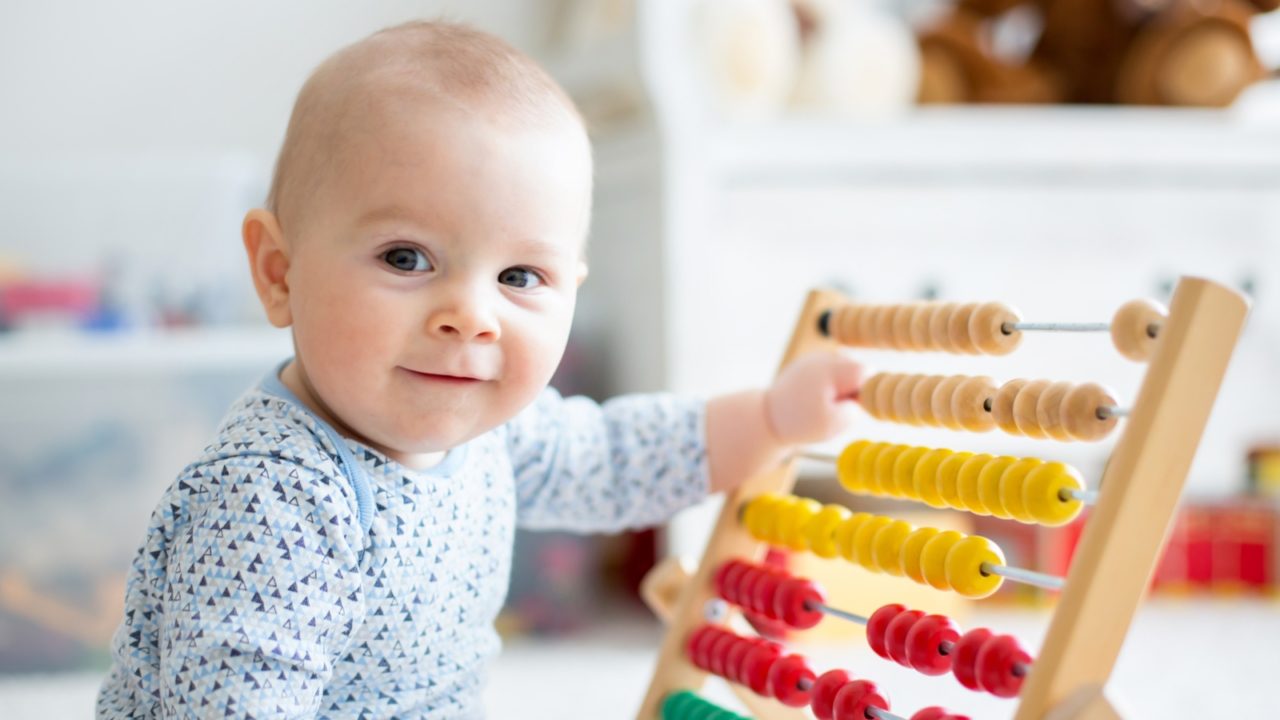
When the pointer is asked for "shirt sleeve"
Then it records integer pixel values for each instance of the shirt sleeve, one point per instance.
(632, 461)
(263, 592)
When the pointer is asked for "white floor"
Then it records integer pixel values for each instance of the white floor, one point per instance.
(1181, 660)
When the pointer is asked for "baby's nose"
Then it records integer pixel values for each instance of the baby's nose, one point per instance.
(468, 319)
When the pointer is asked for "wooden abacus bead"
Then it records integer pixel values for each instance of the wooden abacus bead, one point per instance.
(821, 530)
(868, 393)
(967, 483)
(964, 567)
(895, 635)
(884, 396)
(727, 580)
(922, 399)
(760, 515)
(921, 314)
(1049, 410)
(791, 681)
(695, 646)
(1080, 412)
(719, 652)
(947, 481)
(996, 663)
(925, 641)
(939, 324)
(796, 603)
(902, 339)
(1135, 328)
(1002, 406)
(958, 328)
(867, 325)
(761, 589)
(1013, 489)
(969, 404)
(846, 536)
(756, 664)
(1044, 494)
(913, 549)
(934, 712)
(941, 401)
(824, 693)
(885, 461)
(864, 541)
(847, 466)
(878, 627)
(903, 410)
(964, 663)
(986, 328)
(733, 661)
(855, 699)
(843, 325)
(884, 327)
(792, 524)
(1024, 408)
(887, 546)
(926, 477)
(933, 558)
(989, 485)
(867, 463)
(904, 469)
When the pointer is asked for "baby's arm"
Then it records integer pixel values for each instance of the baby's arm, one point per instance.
(810, 401)
(263, 586)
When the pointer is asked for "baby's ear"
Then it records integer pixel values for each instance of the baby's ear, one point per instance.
(269, 264)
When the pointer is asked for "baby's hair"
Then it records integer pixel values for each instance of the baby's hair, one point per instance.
(444, 61)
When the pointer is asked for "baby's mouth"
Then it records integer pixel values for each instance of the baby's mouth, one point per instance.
(443, 377)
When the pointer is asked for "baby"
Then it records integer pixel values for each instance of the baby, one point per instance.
(343, 546)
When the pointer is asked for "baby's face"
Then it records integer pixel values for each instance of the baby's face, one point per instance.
(433, 280)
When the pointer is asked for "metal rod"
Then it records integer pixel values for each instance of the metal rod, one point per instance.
(1029, 577)
(1088, 497)
(820, 457)
(843, 614)
(1009, 328)
(1110, 411)
(876, 712)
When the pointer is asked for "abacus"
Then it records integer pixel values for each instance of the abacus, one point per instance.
(1187, 349)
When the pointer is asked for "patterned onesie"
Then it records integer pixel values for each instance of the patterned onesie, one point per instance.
(290, 572)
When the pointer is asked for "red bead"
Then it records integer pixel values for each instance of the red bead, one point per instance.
(996, 661)
(755, 668)
(796, 603)
(696, 647)
(877, 624)
(733, 660)
(765, 593)
(719, 651)
(824, 693)
(727, 580)
(895, 635)
(786, 675)
(964, 663)
(747, 587)
(923, 642)
(930, 713)
(855, 697)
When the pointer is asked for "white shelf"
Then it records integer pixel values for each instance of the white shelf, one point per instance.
(55, 353)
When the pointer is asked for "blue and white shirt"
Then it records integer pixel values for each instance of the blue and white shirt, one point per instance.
(290, 572)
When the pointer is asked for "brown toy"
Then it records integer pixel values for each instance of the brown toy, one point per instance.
(1142, 52)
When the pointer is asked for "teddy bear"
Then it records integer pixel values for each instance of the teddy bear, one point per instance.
(1142, 52)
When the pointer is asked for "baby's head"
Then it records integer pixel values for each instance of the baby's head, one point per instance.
(424, 236)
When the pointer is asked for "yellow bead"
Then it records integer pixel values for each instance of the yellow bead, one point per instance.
(989, 485)
(933, 558)
(846, 534)
(967, 483)
(867, 467)
(904, 469)
(847, 466)
(925, 477)
(888, 546)
(791, 532)
(1011, 488)
(912, 551)
(781, 520)
(864, 541)
(884, 469)
(760, 514)
(948, 474)
(1043, 492)
(822, 528)
(964, 567)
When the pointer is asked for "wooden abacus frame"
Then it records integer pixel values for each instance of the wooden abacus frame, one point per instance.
(1138, 494)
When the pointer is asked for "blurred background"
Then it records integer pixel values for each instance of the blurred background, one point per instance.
(1063, 156)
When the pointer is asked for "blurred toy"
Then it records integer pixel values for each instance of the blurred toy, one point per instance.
(1264, 470)
(1145, 52)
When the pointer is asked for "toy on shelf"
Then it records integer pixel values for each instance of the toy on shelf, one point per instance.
(1167, 52)
(1187, 350)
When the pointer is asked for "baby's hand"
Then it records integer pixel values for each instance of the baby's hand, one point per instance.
(813, 398)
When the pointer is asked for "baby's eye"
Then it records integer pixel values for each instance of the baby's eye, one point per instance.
(519, 277)
(407, 259)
